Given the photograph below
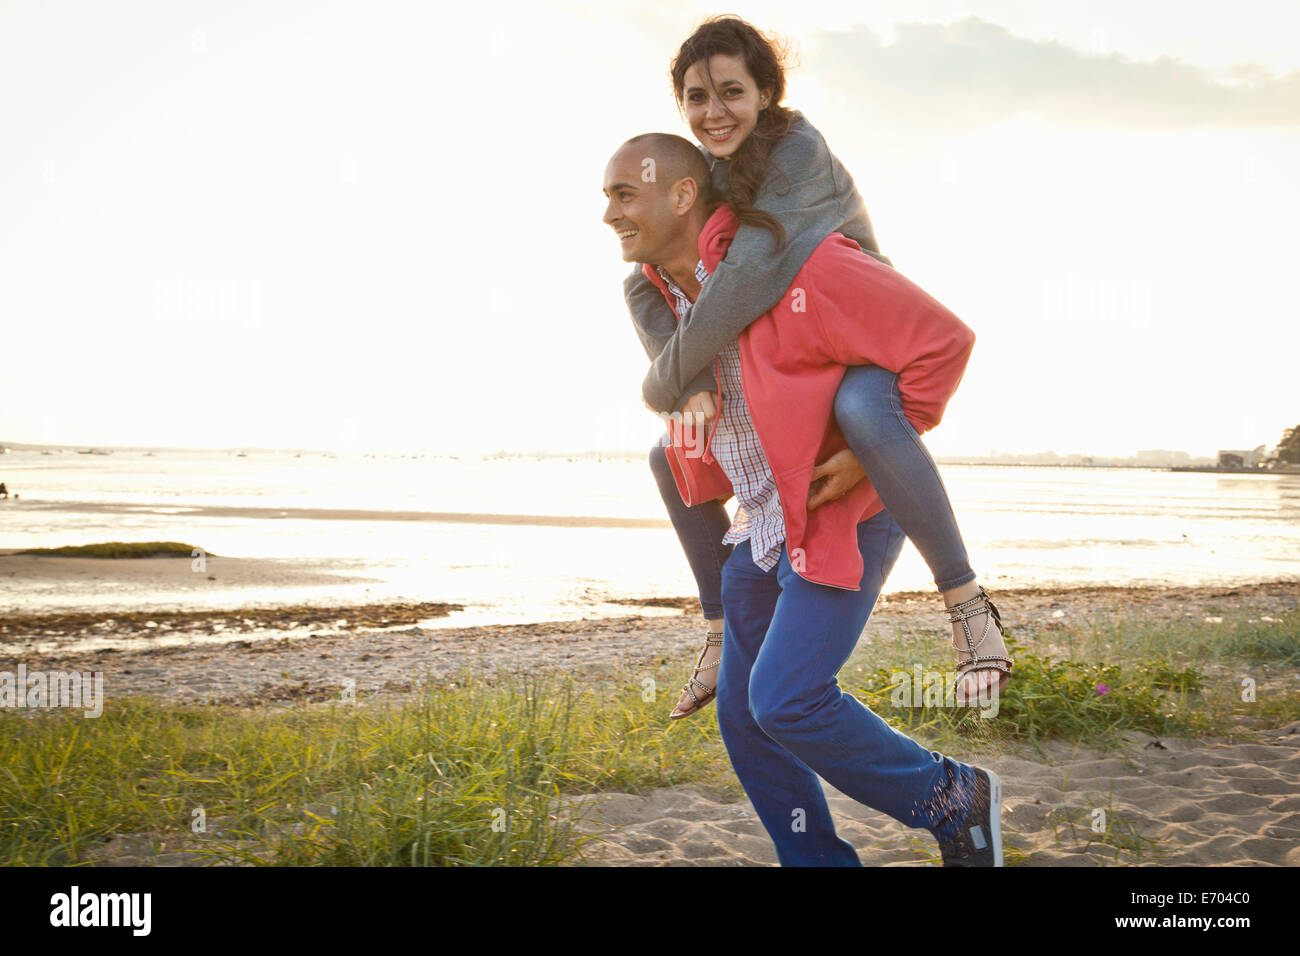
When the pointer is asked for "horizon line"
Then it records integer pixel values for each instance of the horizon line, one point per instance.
(80, 447)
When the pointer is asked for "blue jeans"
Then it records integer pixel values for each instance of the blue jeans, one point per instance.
(785, 720)
(869, 410)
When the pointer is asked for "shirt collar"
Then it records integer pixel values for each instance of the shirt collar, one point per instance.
(701, 274)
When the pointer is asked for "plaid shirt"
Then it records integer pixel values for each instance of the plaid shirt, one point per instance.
(735, 446)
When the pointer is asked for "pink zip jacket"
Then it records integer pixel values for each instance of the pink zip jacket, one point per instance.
(843, 308)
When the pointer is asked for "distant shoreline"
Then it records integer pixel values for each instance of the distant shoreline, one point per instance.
(1196, 469)
(1293, 470)
(1206, 465)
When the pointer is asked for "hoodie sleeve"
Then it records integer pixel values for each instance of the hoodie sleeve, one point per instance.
(808, 192)
(655, 322)
(869, 314)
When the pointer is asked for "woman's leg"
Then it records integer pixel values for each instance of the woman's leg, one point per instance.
(700, 530)
(869, 410)
(786, 721)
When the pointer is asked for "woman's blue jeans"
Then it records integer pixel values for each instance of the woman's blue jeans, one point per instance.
(869, 410)
(785, 720)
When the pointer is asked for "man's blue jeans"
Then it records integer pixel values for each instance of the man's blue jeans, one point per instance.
(869, 410)
(785, 720)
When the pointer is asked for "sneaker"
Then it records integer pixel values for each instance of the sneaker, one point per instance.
(979, 842)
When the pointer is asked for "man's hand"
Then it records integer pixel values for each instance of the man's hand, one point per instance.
(833, 477)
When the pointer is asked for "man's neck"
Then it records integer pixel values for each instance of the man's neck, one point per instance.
(682, 268)
(681, 262)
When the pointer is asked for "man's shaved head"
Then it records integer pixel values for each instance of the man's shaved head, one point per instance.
(675, 158)
(660, 193)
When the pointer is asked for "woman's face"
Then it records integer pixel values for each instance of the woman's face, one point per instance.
(707, 103)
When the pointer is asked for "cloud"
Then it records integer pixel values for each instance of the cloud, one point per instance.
(973, 73)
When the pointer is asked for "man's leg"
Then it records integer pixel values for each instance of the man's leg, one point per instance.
(700, 529)
(776, 782)
(798, 702)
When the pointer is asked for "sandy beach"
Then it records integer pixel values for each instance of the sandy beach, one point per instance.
(1204, 801)
(1168, 801)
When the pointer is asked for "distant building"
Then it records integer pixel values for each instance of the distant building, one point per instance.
(1162, 457)
(1243, 459)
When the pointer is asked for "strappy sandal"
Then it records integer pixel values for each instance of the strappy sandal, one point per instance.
(711, 640)
(980, 604)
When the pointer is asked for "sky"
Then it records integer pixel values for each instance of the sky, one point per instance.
(377, 225)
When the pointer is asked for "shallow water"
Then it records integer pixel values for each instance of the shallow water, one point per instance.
(1024, 526)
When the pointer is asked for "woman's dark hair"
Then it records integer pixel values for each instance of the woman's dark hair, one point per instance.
(765, 62)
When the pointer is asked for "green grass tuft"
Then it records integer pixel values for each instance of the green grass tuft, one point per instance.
(122, 549)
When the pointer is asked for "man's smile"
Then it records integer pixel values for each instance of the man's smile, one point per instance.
(626, 233)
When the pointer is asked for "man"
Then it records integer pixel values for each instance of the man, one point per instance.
(800, 584)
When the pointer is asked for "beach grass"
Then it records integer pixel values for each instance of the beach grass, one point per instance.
(122, 549)
(467, 775)
(475, 772)
(1094, 681)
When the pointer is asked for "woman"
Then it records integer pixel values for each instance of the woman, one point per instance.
(789, 192)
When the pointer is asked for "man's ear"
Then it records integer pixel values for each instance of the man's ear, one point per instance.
(686, 193)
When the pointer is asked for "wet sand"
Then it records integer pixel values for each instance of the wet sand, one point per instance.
(338, 514)
(250, 655)
(167, 574)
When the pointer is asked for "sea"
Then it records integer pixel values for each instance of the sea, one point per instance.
(517, 539)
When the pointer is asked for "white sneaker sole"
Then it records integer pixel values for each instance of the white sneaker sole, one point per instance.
(995, 815)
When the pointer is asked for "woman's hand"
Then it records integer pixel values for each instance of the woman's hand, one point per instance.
(687, 427)
(698, 411)
(833, 477)
(701, 403)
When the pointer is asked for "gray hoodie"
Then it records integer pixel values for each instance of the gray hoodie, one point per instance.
(812, 195)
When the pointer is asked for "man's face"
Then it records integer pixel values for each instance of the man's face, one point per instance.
(639, 209)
